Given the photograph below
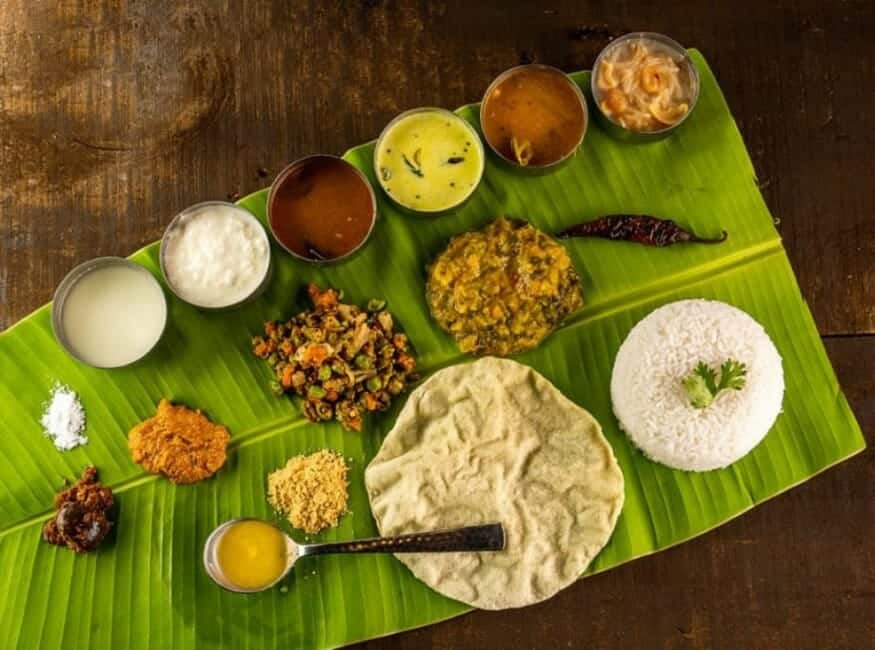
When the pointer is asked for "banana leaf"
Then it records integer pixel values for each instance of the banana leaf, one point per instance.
(146, 587)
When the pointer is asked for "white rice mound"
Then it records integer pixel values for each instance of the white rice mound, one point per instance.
(652, 405)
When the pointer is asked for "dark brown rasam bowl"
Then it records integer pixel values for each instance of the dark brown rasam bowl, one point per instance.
(321, 209)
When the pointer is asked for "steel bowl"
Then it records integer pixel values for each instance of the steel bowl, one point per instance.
(245, 214)
(67, 284)
(475, 140)
(535, 170)
(294, 166)
(616, 129)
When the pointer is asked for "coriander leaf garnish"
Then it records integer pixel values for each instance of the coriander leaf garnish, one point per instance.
(708, 375)
(732, 375)
(702, 386)
(696, 385)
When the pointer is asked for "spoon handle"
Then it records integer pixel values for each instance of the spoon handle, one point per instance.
(489, 537)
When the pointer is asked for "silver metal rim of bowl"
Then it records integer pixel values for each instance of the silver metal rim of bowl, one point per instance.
(669, 43)
(475, 138)
(67, 284)
(259, 289)
(300, 162)
(577, 92)
(211, 564)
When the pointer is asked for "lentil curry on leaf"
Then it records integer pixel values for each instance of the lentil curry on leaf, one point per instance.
(502, 289)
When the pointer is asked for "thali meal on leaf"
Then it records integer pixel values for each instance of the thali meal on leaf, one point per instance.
(491, 485)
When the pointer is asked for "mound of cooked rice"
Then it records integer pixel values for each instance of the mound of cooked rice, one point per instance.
(652, 405)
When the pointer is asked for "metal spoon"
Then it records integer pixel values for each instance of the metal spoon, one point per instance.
(489, 537)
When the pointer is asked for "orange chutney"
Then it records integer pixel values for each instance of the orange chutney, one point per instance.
(321, 208)
(534, 116)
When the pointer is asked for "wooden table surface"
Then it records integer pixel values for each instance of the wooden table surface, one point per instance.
(114, 115)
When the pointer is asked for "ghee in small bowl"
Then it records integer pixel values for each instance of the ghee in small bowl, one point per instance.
(429, 160)
(534, 117)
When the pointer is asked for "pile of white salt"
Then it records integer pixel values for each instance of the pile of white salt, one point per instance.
(64, 418)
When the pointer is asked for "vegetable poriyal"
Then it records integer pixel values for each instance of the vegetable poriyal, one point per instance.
(342, 360)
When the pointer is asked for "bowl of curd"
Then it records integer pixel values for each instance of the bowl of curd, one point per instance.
(215, 255)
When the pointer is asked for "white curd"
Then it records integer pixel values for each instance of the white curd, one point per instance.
(215, 255)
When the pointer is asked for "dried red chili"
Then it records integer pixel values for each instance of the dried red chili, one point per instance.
(639, 228)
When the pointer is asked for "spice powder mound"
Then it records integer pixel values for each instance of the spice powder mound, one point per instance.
(311, 491)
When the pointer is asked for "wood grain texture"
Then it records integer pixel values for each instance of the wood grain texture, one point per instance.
(115, 114)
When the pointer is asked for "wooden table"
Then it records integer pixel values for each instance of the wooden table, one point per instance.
(114, 115)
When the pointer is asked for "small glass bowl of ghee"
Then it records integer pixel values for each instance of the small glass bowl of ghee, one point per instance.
(429, 160)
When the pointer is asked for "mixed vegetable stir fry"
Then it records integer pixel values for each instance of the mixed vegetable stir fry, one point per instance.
(344, 361)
